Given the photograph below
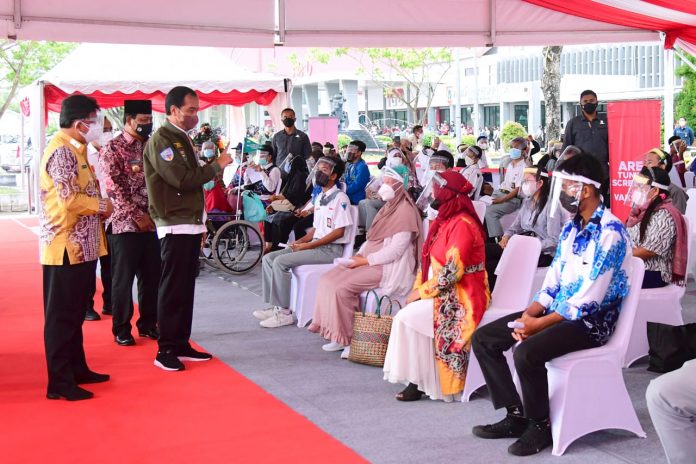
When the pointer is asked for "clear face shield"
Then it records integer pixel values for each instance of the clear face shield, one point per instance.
(287, 163)
(351, 153)
(638, 194)
(94, 127)
(569, 152)
(427, 196)
(261, 158)
(677, 145)
(438, 163)
(395, 157)
(566, 190)
(373, 186)
(321, 172)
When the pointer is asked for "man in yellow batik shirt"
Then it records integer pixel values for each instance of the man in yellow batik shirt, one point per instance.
(71, 240)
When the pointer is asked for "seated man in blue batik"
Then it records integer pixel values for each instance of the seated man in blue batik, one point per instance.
(576, 309)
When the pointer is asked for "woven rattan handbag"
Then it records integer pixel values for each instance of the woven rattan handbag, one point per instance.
(371, 332)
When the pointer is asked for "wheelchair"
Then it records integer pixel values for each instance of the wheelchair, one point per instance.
(232, 244)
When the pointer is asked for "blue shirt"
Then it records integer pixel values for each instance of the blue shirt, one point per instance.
(357, 176)
(686, 134)
(589, 275)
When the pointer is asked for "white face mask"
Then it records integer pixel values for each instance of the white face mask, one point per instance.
(105, 138)
(469, 161)
(639, 198)
(431, 213)
(94, 133)
(393, 162)
(386, 192)
(529, 189)
(483, 146)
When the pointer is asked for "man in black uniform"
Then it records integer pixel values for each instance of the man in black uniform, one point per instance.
(175, 190)
(589, 132)
(290, 140)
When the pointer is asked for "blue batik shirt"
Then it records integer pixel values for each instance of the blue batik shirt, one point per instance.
(588, 277)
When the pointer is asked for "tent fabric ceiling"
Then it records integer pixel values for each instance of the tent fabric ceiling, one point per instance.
(454, 23)
(307, 23)
(677, 21)
(235, 23)
(112, 73)
(358, 23)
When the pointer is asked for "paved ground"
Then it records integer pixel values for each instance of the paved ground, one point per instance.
(355, 405)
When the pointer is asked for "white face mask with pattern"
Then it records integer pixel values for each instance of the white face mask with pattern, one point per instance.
(105, 138)
(94, 131)
(386, 192)
(431, 213)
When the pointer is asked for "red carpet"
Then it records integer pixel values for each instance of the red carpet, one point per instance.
(206, 414)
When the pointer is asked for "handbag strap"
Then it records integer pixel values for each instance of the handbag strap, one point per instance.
(367, 297)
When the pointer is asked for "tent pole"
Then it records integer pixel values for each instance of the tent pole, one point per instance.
(668, 100)
(458, 102)
(475, 112)
(684, 59)
(38, 141)
(22, 184)
(668, 74)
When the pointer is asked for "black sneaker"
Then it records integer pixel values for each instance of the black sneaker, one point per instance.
(189, 354)
(91, 315)
(72, 394)
(167, 361)
(149, 333)
(510, 427)
(536, 438)
(91, 377)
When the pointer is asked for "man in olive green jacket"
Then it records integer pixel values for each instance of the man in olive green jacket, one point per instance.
(175, 189)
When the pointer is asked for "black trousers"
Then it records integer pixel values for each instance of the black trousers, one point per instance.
(653, 279)
(493, 254)
(491, 340)
(301, 226)
(279, 230)
(66, 293)
(105, 266)
(179, 254)
(134, 254)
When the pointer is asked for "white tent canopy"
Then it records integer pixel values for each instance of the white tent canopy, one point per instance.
(148, 68)
(306, 23)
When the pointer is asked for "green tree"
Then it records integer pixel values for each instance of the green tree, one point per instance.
(685, 101)
(22, 62)
(419, 70)
(510, 131)
(551, 86)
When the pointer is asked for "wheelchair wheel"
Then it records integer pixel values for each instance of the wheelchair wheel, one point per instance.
(237, 247)
(206, 253)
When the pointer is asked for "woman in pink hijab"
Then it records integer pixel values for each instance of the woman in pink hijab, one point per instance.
(387, 260)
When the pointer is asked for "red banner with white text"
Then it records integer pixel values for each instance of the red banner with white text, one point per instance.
(634, 128)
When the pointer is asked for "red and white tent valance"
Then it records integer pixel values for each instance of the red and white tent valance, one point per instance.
(677, 19)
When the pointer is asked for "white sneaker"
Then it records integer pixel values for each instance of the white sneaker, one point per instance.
(278, 319)
(333, 346)
(346, 352)
(263, 314)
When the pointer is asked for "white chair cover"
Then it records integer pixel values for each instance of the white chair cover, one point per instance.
(303, 286)
(587, 392)
(512, 291)
(656, 305)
